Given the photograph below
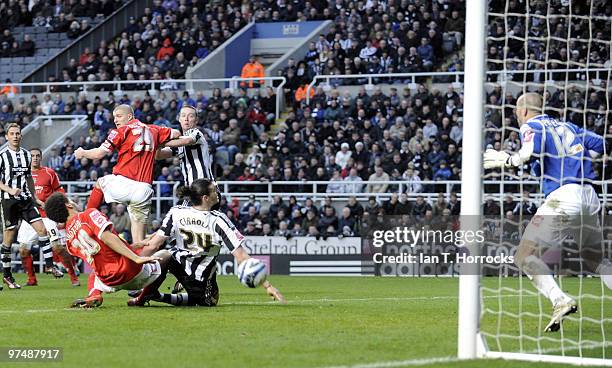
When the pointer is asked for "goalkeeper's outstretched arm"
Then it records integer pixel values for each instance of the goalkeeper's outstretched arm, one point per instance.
(496, 159)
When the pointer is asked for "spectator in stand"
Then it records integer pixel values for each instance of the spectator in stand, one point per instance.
(8, 88)
(252, 69)
(121, 221)
(378, 175)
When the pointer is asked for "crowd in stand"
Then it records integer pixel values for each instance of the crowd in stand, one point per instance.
(381, 38)
(57, 16)
(561, 35)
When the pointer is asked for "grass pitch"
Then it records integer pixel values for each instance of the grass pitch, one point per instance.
(328, 322)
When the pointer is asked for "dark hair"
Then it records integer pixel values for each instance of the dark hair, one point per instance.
(55, 207)
(197, 189)
(36, 149)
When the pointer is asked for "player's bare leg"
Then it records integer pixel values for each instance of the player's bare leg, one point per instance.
(7, 276)
(540, 275)
(45, 246)
(96, 197)
(139, 231)
(66, 259)
(28, 264)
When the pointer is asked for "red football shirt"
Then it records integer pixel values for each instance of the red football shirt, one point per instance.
(46, 182)
(83, 233)
(137, 144)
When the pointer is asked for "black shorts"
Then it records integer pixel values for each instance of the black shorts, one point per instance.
(204, 293)
(14, 210)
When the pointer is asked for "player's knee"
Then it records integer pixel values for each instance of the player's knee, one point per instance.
(24, 250)
(525, 249)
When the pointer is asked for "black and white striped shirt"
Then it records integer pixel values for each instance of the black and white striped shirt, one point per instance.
(15, 170)
(196, 161)
(199, 237)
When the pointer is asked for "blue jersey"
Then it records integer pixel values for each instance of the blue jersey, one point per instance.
(562, 151)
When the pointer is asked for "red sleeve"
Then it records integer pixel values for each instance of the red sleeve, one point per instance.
(55, 183)
(163, 135)
(114, 138)
(97, 222)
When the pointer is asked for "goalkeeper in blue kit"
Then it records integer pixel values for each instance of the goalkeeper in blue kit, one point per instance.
(564, 154)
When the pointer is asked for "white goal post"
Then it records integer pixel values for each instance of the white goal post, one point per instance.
(471, 343)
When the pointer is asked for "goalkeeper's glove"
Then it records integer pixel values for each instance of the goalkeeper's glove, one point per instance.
(493, 159)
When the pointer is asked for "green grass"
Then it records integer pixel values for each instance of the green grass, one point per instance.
(327, 322)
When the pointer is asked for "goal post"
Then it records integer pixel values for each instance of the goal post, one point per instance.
(585, 341)
(471, 182)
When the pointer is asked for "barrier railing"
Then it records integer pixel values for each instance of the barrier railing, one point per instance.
(413, 76)
(118, 84)
(242, 190)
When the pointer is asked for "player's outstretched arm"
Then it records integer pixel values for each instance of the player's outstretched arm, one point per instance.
(92, 154)
(190, 137)
(151, 244)
(241, 255)
(273, 292)
(117, 245)
(163, 153)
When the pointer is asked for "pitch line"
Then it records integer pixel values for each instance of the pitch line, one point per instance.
(298, 301)
(400, 363)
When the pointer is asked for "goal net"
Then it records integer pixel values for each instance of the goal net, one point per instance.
(561, 50)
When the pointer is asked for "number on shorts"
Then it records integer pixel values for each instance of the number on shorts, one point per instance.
(196, 241)
(144, 140)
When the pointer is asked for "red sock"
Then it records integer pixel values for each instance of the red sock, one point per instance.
(95, 198)
(28, 266)
(56, 257)
(90, 285)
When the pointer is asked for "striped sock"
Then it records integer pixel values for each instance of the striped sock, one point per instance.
(174, 299)
(45, 246)
(5, 252)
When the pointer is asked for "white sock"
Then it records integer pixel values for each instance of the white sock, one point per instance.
(605, 271)
(542, 279)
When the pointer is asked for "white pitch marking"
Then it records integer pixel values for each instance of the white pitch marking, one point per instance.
(297, 301)
(400, 363)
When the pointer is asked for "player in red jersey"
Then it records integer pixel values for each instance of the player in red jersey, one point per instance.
(131, 180)
(90, 236)
(46, 182)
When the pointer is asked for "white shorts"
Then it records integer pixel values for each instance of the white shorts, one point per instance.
(571, 211)
(134, 194)
(27, 235)
(149, 273)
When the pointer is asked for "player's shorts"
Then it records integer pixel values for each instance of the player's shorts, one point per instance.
(571, 211)
(149, 273)
(134, 194)
(13, 210)
(27, 235)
